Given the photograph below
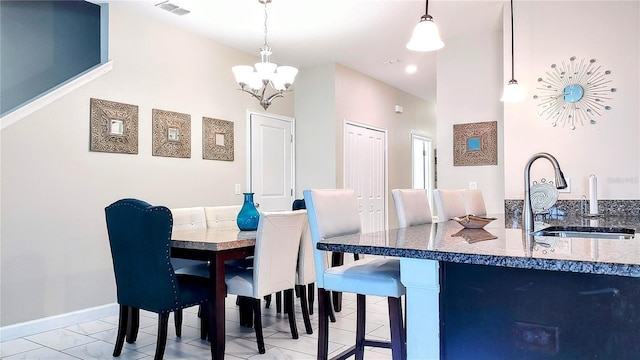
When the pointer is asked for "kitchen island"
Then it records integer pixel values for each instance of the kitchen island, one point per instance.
(498, 294)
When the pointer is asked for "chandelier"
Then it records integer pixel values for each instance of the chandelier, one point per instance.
(255, 79)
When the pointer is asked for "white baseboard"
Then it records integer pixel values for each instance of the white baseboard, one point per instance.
(32, 327)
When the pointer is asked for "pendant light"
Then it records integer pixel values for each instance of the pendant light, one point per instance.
(513, 92)
(255, 79)
(425, 35)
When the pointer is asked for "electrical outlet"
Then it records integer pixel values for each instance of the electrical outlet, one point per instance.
(568, 188)
(536, 337)
(238, 189)
(473, 185)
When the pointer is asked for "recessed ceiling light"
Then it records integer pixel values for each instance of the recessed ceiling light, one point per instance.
(410, 69)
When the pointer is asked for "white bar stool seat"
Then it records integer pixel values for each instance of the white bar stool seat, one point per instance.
(449, 203)
(474, 202)
(412, 207)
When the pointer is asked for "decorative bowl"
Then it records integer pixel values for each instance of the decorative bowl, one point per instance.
(472, 221)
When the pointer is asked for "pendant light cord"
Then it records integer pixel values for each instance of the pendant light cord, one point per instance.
(512, 63)
(426, 8)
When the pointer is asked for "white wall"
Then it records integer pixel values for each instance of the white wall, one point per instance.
(469, 90)
(315, 128)
(55, 254)
(473, 70)
(364, 100)
(339, 94)
(552, 32)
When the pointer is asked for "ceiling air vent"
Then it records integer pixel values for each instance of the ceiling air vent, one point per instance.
(172, 8)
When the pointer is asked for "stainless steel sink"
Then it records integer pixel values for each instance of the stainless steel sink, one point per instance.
(586, 232)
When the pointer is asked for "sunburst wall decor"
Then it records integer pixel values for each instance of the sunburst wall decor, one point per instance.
(574, 93)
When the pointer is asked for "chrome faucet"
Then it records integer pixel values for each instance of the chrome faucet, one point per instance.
(561, 183)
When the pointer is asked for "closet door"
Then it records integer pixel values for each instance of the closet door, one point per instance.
(365, 154)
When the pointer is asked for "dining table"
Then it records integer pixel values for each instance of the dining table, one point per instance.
(502, 246)
(215, 245)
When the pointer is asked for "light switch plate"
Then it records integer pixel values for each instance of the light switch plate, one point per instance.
(238, 189)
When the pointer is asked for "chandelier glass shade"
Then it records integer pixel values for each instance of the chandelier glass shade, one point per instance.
(255, 79)
(426, 36)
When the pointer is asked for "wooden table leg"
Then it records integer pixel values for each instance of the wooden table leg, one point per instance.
(217, 336)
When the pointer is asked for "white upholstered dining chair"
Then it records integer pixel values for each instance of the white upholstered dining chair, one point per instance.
(474, 202)
(449, 203)
(274, 266)
(334, 213)
(305, 274)
(412, 207)
(189, 218)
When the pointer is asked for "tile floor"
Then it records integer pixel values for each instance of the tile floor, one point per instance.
(95, 339)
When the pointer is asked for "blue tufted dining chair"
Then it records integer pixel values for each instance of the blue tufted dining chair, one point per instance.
(335, 213)
(182, 219)
(140, 240)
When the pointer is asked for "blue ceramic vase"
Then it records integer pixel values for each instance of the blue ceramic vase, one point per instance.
(248, 216)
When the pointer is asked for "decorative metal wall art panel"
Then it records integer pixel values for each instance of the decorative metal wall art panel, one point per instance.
(171, 134)
(475, 144)
(113, 127)
(217, 139)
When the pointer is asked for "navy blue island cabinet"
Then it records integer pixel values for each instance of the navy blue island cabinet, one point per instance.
(491, 312)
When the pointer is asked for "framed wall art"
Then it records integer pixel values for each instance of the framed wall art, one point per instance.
(171, 134)
(113, 127)
(217, 139)
(475, 144)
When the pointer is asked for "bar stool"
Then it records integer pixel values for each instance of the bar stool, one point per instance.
(334, 213)
(474, 202)
(412, 207)
(449, 203)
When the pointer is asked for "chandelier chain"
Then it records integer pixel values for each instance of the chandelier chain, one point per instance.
(265, 24)
(254, 80)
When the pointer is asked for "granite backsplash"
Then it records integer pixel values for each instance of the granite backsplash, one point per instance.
(618, 208)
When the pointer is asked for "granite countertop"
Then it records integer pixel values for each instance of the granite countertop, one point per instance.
(502, 243)
(212, 239)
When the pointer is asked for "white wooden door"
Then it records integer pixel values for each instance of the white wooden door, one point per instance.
(421, 155)
(271, 162)
(365, 172)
